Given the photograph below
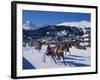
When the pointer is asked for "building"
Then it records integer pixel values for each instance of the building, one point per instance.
(87, 37)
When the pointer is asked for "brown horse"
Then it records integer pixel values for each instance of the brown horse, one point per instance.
(57, 52)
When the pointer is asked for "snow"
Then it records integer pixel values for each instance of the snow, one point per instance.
(81, 24)
(85, 35)
(86, 39)
(78, 58)
(27, 25)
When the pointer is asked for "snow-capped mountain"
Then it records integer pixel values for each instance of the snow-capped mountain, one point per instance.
(27, 25)
(81, 24)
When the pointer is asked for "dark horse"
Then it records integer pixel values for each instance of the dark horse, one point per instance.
(68, 45)
(38, 46)
(56, 52)
(78, 44)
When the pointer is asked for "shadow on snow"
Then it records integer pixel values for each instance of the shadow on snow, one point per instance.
(75, 64)
(68, 58)
(73, 60)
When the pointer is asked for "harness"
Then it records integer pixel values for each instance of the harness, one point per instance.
(58, 50)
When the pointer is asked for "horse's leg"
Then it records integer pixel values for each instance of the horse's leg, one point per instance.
(65, 52)
(54, 59)
(53, 56)
(63, 59)
(58, 57)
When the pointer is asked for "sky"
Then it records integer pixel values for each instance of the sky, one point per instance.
(52, 18)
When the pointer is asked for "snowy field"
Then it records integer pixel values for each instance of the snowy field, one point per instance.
(78, 58)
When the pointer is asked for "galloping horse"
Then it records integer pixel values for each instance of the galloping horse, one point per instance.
(56, 52)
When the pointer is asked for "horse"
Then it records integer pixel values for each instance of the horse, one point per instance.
(79, 45)
(68, 45)
(38, 46)
(56, 52)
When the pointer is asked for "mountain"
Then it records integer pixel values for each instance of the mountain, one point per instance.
(27, 25)
(81, 24)
(53, 31)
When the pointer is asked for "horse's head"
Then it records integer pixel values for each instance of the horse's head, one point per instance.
(62, 46)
